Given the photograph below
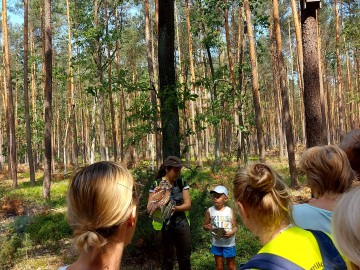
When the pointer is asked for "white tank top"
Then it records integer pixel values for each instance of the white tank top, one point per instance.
(222, 219)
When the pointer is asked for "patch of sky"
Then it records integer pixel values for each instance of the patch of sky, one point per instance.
(15, 12)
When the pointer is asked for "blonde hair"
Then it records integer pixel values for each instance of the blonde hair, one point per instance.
(346, 226)
(100, 199)
(261, 189)
(327, 169)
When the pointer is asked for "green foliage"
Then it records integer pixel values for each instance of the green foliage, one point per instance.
(45, 228)
(25, 251)
(8, 249)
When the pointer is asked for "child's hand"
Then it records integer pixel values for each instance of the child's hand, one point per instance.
(207, 227)
(228, 234)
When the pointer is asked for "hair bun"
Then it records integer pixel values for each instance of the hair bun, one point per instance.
(88, 239)
(263, 178)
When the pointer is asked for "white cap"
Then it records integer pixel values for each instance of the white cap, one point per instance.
(220, 190)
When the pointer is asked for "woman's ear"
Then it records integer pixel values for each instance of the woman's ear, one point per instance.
(243, 211)
(133, 217)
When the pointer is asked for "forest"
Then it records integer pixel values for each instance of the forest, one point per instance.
(218, 83)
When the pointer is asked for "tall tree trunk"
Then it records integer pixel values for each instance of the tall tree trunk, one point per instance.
(100, 94)
(214, 97)
(48, 100)
(26, 94)
(182, 80)
(255, 83)
(330, 117)
(1, 143)
(193, 88)
(71, 89)
(228, 46)
(324, 130)
(300, 63)
(33, 91)
(150, 57)
(276, 92)
(12, 160)
(287, 122)
(121, 92)
(311, 77)
(338, 73)
(168, 92)
(110, 92)
(241, 151)
(357, 84)
(228, 128)
(350, 89)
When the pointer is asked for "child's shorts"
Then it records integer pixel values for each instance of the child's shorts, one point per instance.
(226, 252)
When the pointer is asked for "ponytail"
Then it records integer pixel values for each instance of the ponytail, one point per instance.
(161, 172)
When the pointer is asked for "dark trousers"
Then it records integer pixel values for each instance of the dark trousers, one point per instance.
(178, 239)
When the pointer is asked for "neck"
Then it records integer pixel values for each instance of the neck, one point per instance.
(326, 201)
(265, 237)
(219, 207)
(109, 258)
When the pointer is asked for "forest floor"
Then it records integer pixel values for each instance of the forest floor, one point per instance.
(50, 246)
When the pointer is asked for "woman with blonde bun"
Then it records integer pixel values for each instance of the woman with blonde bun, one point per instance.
(346, 227)
(264, 203)
(102, 211)
(328, 174)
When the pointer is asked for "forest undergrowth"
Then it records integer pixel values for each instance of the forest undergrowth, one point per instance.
(34, 233)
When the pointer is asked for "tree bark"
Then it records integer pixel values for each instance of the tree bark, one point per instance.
(193, 87)
(12, 160)
(276, 94)
(228, 46)
(241, 151)
(100, 94)
(300, 62)
(71, 90)
(150, 57)
(167, 92)
(26, 94)
(48, 99)
(110, 92)
(311, 77)
(287, 122)
(121, 92)
(324, 130)
(255, 83)
(341, 130)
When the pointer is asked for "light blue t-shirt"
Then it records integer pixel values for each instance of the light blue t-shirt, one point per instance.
(307, 216)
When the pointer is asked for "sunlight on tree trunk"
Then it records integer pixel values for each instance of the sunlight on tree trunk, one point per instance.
(48, 100)
(255, 83)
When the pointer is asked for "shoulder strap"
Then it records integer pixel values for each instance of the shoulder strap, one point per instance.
(268, 261)
(330, 255)
(180, 183)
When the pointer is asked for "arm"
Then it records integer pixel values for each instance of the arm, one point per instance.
(207, 224)
(234, 226)
(151, 194)
(186, 202)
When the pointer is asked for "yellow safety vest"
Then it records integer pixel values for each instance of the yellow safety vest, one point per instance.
(296, 245)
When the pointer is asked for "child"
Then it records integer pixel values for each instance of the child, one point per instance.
(220, 220)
